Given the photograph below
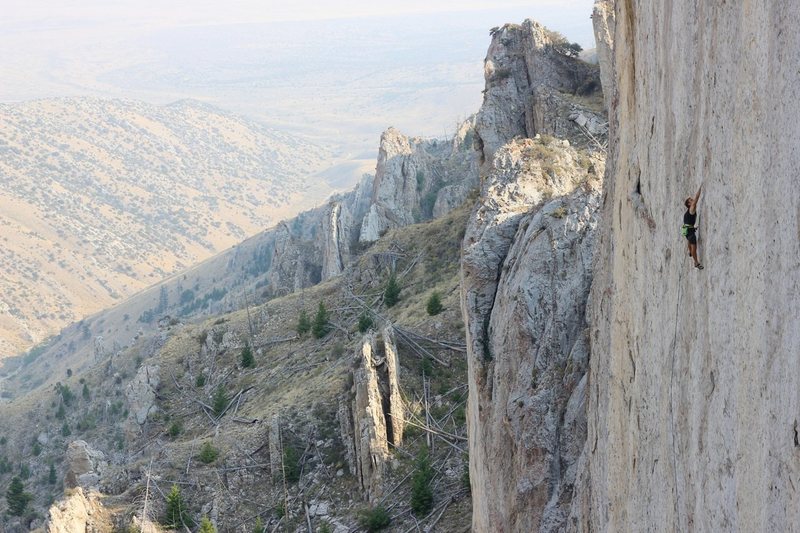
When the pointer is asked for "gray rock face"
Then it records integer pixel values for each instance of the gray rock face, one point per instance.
(418, 179)
(377, 412)
(523, 68)
(84, 465)
(693, 404)
(526, 272)
(603, 23)
(141, 393)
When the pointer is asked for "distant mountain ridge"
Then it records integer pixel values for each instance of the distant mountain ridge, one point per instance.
(137, 192)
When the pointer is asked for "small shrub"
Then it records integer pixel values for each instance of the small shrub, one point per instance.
(51, 475)
(434, 305)
(206, 526)
(364, 322)
(559, 212)
(321, 325)
(37, 448)
(200, 380)
(248, 361)
(175, 429)
(177, 513)
(391, 294)
(421, 493)
(220, 400)
(208, 454)
(303, 323)
(291, 464)
(85, 392)
(420, 180)
(259, 526)
(65, 431)
(374, 519)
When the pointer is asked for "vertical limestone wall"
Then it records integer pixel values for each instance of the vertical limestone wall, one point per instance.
(694, 381)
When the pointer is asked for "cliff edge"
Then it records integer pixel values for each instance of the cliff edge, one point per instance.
(694, 375)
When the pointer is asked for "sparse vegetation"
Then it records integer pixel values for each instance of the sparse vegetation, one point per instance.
(206, 526)
(175, 429)
(364, 322)
(374, 519)
(208, 453)
(434, 305)
(248, 361)
(391, 293)
(421, 492)
(17, 498)
(291, 464)
(303, 323)
(321, 324)
(177, 514)
(220, 400)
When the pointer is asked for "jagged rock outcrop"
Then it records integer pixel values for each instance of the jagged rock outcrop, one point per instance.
(523, 70)
(78, 512)
(376, 417)
(603, 23)
(526, 272)
(694, 375)
(141, 393)
(417, 179)
(84, 465)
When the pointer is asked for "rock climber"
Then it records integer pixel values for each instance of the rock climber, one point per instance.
(688, 229)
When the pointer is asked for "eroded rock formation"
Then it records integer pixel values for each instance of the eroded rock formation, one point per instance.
(524, 73)
(78, 512)
(375, 420)
(84, 465)
(141, 393)
(526, 273)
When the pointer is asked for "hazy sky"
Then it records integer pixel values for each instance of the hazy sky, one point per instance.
(333, 69)
(171, 12)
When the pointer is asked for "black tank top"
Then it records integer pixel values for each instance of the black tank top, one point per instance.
(689, 218)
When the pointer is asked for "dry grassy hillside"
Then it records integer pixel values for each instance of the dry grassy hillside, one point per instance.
(101, 198)
(300, 379)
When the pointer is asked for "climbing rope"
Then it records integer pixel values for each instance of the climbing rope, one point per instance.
(671, 397)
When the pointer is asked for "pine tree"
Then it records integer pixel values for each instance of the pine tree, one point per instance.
(248, 361)
(177, 514)
(206, 526)
(320, 327)
(303, 323)
(51, 477)
(421, 493)
(220, 400)
(85, 393)
(434, 305)
(208, 454)
(259, 526)
(17, 498)
(65, 430)
(391, 294)
(364, 322)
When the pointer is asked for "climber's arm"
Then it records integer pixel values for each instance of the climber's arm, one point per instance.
(693, 209)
